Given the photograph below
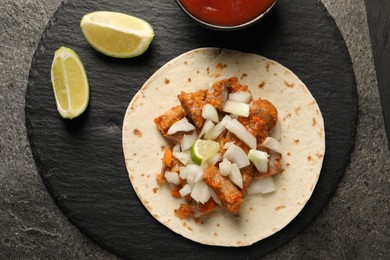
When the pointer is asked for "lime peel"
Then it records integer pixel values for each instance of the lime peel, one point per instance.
(70, 83)
(116, 34)
(202, 150)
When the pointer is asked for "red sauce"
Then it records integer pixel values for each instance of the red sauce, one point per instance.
(226, 12)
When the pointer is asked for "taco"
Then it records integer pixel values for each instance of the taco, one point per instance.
(215, 205)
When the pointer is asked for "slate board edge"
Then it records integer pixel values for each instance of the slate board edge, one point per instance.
(347, 58)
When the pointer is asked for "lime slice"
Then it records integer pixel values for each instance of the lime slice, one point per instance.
(202, 150)
(116, 34)
(70, 83)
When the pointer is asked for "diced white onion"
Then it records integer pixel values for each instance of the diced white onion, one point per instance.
(215, 197)
(172, 177)
(262, 186)
(192, 171)
(183, 157)
(199, 176)
(242, 133)
(268, 185)
(273, 144)
(188, 140)
(207, 126)
(235, 175)
(183, 172)
(200, 192)
(236, 155)
(210, 113)
(185, 190)
(218, 128)
(240, 96)
(226, 145)
(236, 108)
(259, 159)
(205, 196)
(194, 168)
(176, 148)
(181, 126)
(254, 188)
(175, 168)
(277, 131)
(225, 167)
(196, 191)
(190, 179)
(216, 158)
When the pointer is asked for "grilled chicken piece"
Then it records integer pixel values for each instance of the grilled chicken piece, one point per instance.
(198, 210)
(230, 137)
(166, 120)
(228, 194)
(193, 103)
(233, 85)
(265, 110)
(185, 211)
(177, 137)
(218, 94)
(208, 207)
(256, 126)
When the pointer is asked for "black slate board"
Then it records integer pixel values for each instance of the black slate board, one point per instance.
(379, 24)
(81, 161)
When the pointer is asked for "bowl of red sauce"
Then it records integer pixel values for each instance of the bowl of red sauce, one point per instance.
(226, 14)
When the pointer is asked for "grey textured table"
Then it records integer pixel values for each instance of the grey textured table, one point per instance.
(353, 225)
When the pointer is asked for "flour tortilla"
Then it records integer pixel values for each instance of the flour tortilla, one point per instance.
(302, 136)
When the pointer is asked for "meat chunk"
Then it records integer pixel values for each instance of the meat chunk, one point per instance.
(166, 120)
(230, 137)
(192, 104)
(196, 211)
(169, 163)
(256, 126)
(176, 137)
(233, 85)
(185, 211)
(265, 110)
(227, 192)
(217, 95)
(219, 92)
(208, 207)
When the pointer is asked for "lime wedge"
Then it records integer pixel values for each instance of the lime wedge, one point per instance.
(116, 34)
(70, 83)
(202, 150)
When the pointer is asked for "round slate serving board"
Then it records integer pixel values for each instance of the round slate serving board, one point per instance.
(81, 161)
